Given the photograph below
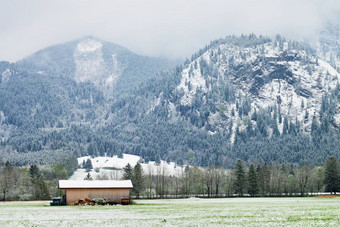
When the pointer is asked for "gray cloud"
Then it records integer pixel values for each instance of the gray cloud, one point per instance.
(167, 28)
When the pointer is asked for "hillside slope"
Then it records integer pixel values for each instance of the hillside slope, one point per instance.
(67, 89)
(247, 97)
(242, 97)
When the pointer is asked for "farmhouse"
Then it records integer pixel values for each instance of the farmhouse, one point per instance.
(105, 189)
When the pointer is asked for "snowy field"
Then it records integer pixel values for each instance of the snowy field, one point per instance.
(111, 168)
(179, 212)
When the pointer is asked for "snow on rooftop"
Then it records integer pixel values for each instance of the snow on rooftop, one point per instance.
(63, 184)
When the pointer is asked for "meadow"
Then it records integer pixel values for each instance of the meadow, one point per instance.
(179, 212)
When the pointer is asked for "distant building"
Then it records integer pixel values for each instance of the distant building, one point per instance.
(105, 189)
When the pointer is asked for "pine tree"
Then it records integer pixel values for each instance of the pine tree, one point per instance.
(250, 128)
(285, 126)
(240, 182)
(88, 177)
(306, 114)
(39, 186)
(263, 174)
(315, 126)
(120, 154)
(280, 115)
(88, 165)
(254, 115)
(324, 124)
(128, 174)
(276, 131)
(138, 180)
(332, 175)
(253, 181)
(158, 159)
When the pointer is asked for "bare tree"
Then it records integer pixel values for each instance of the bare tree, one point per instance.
(196, 177)
(208, 180)
(229, 183)
(149, 181)
(303, 177)
(6, 180)
(217, 174)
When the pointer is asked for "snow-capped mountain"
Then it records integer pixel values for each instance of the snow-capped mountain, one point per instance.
(68, 89)
(282, 75)
(247, 97)
(112, 68)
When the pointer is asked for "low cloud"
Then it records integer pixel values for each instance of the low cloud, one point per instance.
(169, 28)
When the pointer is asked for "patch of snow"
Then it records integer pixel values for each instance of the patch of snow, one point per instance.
(89, 61)
(111, 168)
(157, 102)
(190, 82)
(2, 117)
(172, 110)
(6, 75)
(212, 133)
(328, 68)
(90, 66)
(89, 45)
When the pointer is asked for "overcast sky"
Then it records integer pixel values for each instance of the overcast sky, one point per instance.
(160, 28)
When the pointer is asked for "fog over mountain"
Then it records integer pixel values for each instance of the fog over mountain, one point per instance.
(172, 29)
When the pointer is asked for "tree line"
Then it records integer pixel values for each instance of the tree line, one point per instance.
(33, 182)
(273, 179)
(254, 180)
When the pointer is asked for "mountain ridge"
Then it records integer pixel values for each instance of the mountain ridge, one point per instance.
(114, 63)
(247, 97)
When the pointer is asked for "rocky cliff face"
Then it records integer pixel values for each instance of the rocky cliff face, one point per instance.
(235, 77)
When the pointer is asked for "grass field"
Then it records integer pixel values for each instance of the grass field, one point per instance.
(179, 212)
